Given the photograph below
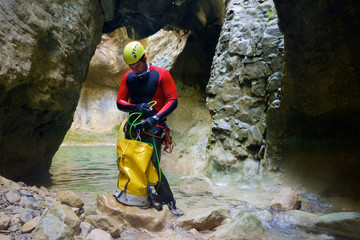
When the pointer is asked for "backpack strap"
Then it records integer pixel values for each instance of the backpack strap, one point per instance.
(153, 197)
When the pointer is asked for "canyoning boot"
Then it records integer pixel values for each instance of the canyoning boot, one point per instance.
(174, 210)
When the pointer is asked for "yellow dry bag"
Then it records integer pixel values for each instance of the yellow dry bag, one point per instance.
(136, 172)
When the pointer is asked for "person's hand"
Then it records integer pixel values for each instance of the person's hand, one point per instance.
(151, 121)
(142, 107)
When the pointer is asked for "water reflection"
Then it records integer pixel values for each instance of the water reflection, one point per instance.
(87, 170)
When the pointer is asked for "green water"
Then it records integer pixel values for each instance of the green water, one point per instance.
(87, 170)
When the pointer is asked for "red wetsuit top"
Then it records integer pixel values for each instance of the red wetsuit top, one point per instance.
(157, 85)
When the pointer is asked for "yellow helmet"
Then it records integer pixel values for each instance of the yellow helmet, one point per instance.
(133, 52)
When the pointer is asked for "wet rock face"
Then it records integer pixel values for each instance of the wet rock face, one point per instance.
(145, 17)
(244, 82)
(45, 53)
(342, 223)
(96, 110)
(316, 124)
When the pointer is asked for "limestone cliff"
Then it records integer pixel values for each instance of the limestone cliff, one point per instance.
(146, 17)
(244, 82)
(45, 54)
(97, 111)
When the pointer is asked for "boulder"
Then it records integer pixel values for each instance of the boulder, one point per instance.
(70, 199)
(85, 229)
(287, 199)
(151, 219)
(245, 226)
(66, 215)
(106, 223)
(198, 185)
(29, 202)
(204, 219)
(342, 223)
(5, 181)
(298, 218)
(51, 227)
(5, 237)
(97, 234)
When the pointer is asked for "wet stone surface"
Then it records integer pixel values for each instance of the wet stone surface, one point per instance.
(228, 210)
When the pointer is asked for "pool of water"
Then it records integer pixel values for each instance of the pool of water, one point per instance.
(90, 170)
(87, 170)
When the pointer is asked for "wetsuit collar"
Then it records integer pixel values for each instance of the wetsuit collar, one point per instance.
(140, 75)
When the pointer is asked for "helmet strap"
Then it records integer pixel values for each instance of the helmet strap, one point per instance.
(146, 70)
(145, 74)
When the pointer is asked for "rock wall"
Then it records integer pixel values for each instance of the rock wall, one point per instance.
(316, 128)
(45, 54)
(244, 82)
(96, 111)
(191, 121)
(46, 50)
(146, 17)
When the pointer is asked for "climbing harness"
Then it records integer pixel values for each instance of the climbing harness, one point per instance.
(167, 142)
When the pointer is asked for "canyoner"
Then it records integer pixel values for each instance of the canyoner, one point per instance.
(148, 93)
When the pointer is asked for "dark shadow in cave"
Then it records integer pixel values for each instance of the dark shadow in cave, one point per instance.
(323, 152)
(317, 127)
(193, 65)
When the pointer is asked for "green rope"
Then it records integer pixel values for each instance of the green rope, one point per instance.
(152, 103)
(134, 123)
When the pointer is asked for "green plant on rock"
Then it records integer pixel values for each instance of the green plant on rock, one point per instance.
(271, 15)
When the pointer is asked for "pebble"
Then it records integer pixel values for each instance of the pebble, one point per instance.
(21, 208)
(4, 221)
(13, 197)
(5, 237)
(30, 225)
